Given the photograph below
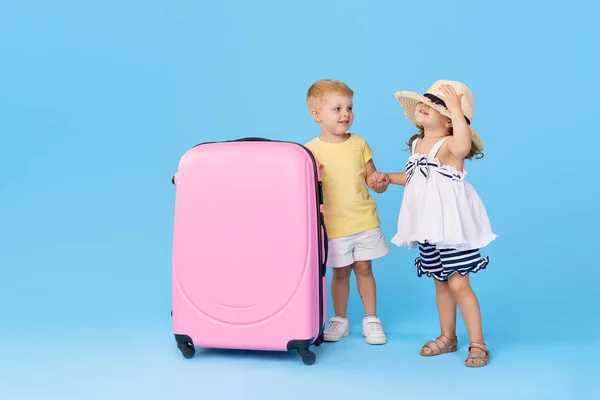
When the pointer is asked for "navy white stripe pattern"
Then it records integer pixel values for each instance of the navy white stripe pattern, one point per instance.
(421, 163)
(451, 175)
(444, 262)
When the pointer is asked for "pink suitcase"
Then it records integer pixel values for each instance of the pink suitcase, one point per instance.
(249, 248)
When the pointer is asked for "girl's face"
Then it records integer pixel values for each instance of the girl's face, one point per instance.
(430, 118)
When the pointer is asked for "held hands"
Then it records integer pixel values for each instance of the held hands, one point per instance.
(378, 181)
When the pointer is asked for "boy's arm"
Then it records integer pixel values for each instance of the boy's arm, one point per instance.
(376, 180)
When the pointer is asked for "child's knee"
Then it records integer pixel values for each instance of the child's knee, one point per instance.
(342, 274)
(363, 268)
(441, 286)
(459, 285)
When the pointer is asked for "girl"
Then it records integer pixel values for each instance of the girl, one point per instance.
(441, 213)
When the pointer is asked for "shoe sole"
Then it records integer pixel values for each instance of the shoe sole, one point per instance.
(375, 341)
(335, 339)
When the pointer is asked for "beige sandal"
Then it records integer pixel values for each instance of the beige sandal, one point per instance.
(483, 355)
(450, 345)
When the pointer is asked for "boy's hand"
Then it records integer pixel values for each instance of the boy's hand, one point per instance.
(321, 166)
(378, 181)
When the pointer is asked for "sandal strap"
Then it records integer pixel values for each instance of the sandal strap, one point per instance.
(445, 340)
(481, 347)
(477, 355)
(433, 346)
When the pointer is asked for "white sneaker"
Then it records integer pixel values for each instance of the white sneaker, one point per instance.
(336, 329)
(373, 330)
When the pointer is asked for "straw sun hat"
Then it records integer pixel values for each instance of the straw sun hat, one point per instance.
(433, 97)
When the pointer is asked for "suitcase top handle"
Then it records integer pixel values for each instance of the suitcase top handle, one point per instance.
(251, 139)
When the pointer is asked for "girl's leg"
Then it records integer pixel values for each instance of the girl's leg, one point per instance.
(446, 306)
(462, 292)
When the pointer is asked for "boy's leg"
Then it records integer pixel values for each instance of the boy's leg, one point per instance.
(339, 326)
(369, 246)
(372, 326)
(340, 290)
(366, 286)
(340, 261)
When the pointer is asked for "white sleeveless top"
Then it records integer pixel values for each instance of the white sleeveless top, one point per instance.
(440, 206)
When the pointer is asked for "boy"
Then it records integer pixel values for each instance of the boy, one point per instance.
(351, 219)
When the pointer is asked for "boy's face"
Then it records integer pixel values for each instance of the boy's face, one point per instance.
(335, 115)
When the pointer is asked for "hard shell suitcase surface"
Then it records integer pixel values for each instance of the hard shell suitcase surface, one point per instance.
(249, 248)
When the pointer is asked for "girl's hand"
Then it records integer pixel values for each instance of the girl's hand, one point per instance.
(460, 144)
(452, 99)
(378, 181)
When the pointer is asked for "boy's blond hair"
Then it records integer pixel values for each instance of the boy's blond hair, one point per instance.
(321, 88)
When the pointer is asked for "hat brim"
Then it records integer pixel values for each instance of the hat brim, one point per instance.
(409, 100)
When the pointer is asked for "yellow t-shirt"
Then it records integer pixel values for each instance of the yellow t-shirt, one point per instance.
(348, 207)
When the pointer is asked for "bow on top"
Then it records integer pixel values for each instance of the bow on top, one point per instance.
(421, 164)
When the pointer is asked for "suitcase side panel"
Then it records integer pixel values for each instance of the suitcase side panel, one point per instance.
(246, 253)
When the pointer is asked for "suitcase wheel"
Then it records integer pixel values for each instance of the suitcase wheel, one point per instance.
(308, 357)
(187, 350)
(302, 347)
(185, 345)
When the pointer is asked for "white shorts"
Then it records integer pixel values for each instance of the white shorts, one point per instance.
(362, 246)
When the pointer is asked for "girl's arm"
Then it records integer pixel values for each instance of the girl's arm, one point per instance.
(460, 144)
(397, 178)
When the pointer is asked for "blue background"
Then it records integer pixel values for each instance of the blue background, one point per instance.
(99, 100)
